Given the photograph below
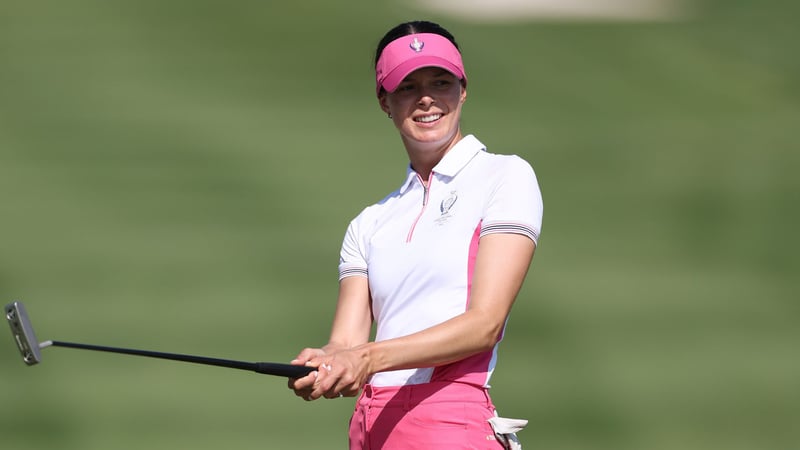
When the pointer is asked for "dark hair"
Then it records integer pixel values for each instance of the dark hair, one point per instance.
(413, 27)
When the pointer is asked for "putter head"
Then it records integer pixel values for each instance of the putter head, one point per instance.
(22, 330)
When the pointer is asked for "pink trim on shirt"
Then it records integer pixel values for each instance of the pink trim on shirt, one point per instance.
(474, 369)
(425, 196)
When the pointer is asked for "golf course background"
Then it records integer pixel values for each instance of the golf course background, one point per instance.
(177, 176)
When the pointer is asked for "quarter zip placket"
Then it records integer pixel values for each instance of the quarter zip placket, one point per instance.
(426, 193)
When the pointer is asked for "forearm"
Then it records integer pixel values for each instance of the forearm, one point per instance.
(453, 340)
(352, 321)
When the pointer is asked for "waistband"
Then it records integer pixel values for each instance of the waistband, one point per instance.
(409, 396)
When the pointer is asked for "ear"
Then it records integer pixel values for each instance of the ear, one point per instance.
(383, 103)
(463, 92)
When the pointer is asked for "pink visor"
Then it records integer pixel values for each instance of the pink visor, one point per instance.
(409, 53)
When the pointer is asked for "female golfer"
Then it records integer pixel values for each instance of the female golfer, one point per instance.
(436, 265)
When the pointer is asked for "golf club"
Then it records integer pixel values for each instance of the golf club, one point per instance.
(30, 349)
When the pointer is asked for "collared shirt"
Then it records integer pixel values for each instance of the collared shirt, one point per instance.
(418, 246)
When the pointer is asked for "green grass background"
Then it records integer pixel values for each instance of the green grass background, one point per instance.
(178, 175)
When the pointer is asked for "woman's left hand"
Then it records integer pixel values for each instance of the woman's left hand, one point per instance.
(340, 374)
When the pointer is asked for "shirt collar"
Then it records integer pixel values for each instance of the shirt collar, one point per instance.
(459, 156)
(452, 162)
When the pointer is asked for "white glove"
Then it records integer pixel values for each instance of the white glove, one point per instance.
(505, 429)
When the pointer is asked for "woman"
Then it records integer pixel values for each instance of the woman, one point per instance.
(436, 265)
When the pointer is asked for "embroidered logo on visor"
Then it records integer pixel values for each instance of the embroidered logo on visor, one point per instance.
(416, 45)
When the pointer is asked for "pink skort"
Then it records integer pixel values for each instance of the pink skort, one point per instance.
(440, 415)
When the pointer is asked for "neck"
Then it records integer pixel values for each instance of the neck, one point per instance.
(424, 156)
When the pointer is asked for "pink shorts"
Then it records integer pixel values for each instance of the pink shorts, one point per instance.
(440, 415)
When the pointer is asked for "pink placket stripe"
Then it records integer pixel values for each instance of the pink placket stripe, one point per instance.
(427, 191)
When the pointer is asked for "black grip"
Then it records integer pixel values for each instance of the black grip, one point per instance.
(283, 370)
(267, 368)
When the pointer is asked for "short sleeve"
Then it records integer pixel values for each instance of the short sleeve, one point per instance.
(515, 203)
(352, 257)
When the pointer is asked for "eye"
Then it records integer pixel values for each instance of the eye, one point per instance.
(405, 87)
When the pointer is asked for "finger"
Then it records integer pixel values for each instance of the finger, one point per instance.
(337, 392)
(328, 389)
(306, 355)
(331, 393)
(304, 384)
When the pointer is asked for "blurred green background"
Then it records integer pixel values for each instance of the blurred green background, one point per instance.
(178, 175)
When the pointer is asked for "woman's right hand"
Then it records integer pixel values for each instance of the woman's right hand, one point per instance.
(303, 386)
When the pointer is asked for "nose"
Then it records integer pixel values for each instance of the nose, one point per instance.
(425, 100)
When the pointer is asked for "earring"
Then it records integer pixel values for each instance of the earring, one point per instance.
(390, 115)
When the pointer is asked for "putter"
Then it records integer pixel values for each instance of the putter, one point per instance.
(30, 349)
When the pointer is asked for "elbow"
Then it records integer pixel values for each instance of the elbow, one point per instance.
(488, 336)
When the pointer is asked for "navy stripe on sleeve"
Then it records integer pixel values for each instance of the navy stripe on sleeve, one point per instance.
(352, 272)
(515, 228)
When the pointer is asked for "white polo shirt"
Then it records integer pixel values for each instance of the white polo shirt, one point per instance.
(418, 246)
